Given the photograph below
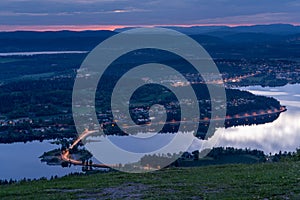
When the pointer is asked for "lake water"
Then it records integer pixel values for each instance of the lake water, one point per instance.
(282, 134)
(41, 53)
(21, 160)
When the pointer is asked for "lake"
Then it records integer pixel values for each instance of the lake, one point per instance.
(41, 53)
(282, 134)
(21, 160)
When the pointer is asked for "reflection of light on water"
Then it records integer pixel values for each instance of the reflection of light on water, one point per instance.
(125, 149)
(138, 147)
(272, 137)
(268, 93)
(21, 160)
(282, 134)
(291, 103)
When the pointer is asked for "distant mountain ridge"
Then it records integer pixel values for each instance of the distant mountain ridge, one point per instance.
(51, 40)
(243, 41)
(281, 29)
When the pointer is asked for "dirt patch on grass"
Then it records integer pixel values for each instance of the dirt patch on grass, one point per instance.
(64, 190)
(124, 191)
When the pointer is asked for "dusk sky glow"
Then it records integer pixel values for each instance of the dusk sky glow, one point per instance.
(111, 14)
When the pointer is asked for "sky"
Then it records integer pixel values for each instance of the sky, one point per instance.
(110, 14)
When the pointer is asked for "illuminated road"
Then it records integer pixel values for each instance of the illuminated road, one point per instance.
(237, 116)
(65, 155)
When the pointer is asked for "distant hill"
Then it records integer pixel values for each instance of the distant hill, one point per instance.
(260, 41)
(277, 29)
(46, 41)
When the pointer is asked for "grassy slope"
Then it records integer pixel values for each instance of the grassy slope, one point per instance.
(259, 181)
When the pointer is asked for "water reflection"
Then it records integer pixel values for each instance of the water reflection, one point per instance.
(19, 160)
(282, 134)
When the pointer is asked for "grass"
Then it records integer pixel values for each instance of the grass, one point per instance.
(257, 181)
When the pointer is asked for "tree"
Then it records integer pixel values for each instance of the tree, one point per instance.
(196, 155)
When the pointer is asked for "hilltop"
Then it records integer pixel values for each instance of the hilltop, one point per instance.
(257, 181)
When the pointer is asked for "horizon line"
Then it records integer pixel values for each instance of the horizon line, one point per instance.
(45, 28)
